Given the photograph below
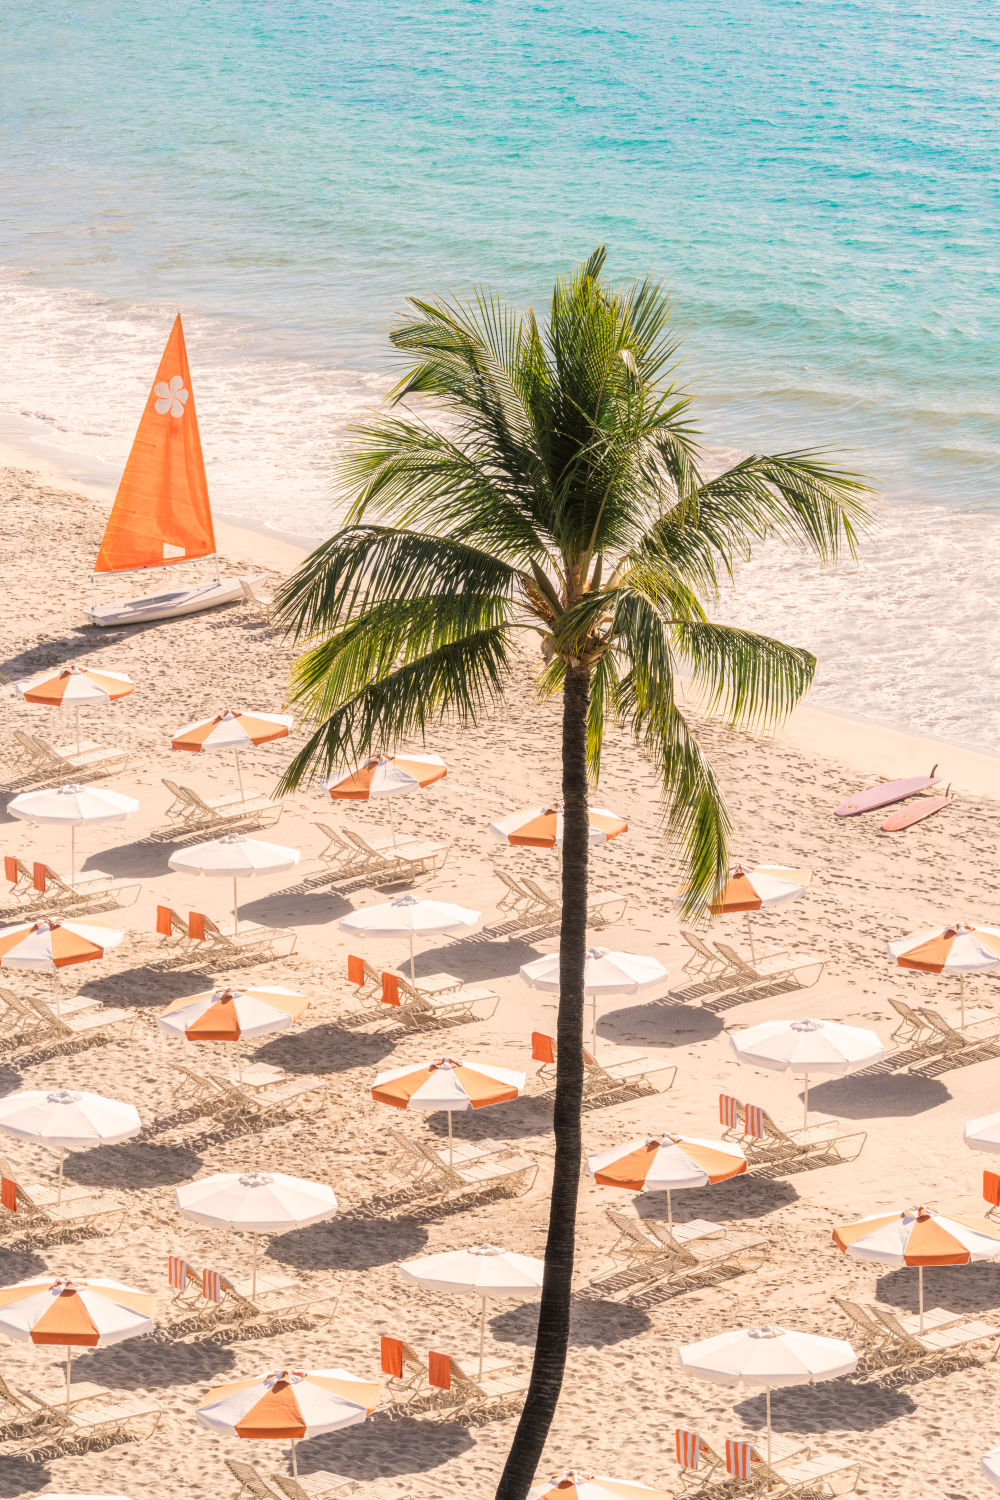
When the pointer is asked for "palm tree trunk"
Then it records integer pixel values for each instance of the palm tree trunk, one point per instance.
(554, 1309)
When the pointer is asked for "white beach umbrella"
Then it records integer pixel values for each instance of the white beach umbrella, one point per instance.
(410, 916)
(605, 972)
(72, 805)
(484, 1271)
(983, 1134)
(574, 1484)
(805, 1047)
(234, 857)
(68, 1120)
(958, 949)
(288, 1404)
(990, 1465)
(75, 687)
(256, 1203)
(75, 1314)
(766, 1357)
(233, 731)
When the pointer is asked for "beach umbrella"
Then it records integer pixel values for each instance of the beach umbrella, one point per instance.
(807, 1047)
(484, 1271)
(74, 1314)
(447, 1084)
(55, 943)
(983, 1134)
(229, 1013)
(666, 1162)
(542, 827)
(990, 1465)
(766, 1357)
(959, 949)
(410, 916)
(288, 1404)
(748, 888)
(234, 857)
(72, 805)
(256, 1203)
(919, 1237)
(68, 1120)
(604, 973)
(386, 776)
(232, 730)
(75, 687)
(574, 1484)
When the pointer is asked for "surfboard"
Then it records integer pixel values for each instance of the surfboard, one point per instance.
(916, 812)
(884, 795)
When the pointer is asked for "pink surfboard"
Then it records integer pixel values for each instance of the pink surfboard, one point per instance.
(884, 795)
(921, 808)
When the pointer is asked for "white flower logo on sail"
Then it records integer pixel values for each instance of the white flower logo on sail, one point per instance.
(170, 398)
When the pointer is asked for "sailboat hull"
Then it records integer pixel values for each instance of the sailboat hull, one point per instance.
(167, 605)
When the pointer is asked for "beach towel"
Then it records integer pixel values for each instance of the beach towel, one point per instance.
(392, 1356)
(164, 923)
(10, 870)
(8, 1194)
(439, 1371)
(38, 875)
(390, 989)
(355, 969)
(991, 1188)
(196, 926)
(177, 1272)
(729, 1110)
(755, 1121)
(211, 1285)
(688, 1449)
(543, 1048)
(739, 1458)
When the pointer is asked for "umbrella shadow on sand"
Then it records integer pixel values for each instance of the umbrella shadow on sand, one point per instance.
(324, 1048)
(739, 1198)
(829, 1406)
(151, 1363)
(143, 988)
(303, 908)
(19, 1476)
(873, 1095)
(655, 1023)
(524, 1117)
(124, 861)
(346, 1244)
(962, 1289)
(594, 1323)
(141, 1164)
(379, 1449)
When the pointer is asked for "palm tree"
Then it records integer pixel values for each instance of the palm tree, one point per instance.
(554, 488)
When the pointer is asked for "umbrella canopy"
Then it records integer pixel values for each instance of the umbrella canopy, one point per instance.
(225, 1015)
(55, 943)
(666, 1162)
(484, 1271)
(605, 972)
(983, 1134)
(542, 827)
(990, 1465)
(765, 1357)
(74, 806)
(256, 1202)
(386, 776)
(919, 1237)
(958, 950)
(806, 1046)
(750, 887)
(573, 1484)
(74, 1314)
(289, 1404)
(68, 1120)
(75, 686)
(412, 916)
(232, 730)
(446, 1083)
(234, 857)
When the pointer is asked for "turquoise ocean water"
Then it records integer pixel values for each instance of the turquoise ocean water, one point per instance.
(814, 179)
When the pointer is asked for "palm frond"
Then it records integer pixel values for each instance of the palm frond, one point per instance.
(753, 680)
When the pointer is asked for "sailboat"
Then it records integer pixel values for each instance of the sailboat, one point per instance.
(162, 513)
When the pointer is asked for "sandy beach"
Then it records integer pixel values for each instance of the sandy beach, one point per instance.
(624, 1394)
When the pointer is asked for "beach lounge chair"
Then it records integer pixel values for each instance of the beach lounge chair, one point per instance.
(414, 1007)
(979, 1041)
(80, 1030)
(65, 760)
(912, 1030)
(192, 811)
(249, 939)
(790, 1476)
(766, 1145)
(482, 1174)
(96, 1419)
(991, 1193)
(402, 859)
(18, 880)
(257, 599)
(473, 1399)
(525, 905)
(936, 1345)
(404, 1373)
(172, 927)
(278, 1304)
(92, 888)
(602, 906)
(606, 1083)
(338, 853)
(251, 1482)
(259, 1104)
(703, 960)
(35, 1213)
(17, 1017)
(775, 969)
(702, 1248)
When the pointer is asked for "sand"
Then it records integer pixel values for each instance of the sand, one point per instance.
(624, 1394)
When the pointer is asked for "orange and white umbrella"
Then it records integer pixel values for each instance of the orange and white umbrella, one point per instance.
(665, 1162)
(748, 888)
(958, 949)
(573, 1484)
(232, 730)
(386, 776)
(75, 687)
(229, 1014)
(55, 943)
(542, 827)
(74, 1314)
(447, 1084)
(919, 1237)
(289, 1404)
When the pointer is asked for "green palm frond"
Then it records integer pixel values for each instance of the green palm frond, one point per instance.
(753, 680)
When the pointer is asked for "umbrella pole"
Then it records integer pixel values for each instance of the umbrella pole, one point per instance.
(482, 1337)
(62, 1158)
(920, 1284)
(239, 776)
(413, 975)
(961, 997)
(767, 1403)
(76, 713)
(670, 1211)
(805, 1103)
(753, 956)
(295, 1464)
(236, 915)
(253, 1278)
(392, 822)
(72, 853)
(450, 1142)
(69, 1361)
(593, 1040)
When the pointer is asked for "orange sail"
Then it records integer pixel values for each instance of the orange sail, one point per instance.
(162, 513)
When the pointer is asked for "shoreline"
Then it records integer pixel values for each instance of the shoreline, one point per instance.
(877, 751)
